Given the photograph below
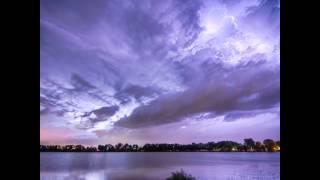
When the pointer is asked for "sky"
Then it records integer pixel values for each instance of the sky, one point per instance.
(149, 71)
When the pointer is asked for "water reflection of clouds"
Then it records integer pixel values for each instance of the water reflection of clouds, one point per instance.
(121, 166)
(225, 172)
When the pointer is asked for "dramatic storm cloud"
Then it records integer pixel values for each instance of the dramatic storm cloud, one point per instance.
(127, 71)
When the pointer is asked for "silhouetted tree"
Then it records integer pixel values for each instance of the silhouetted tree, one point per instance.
(109, 148)
(79, 148)
(226, 146)
(101, 148)
(249, 143)
(118, 146)
(269, 144)
(135, 147)
(258, 146)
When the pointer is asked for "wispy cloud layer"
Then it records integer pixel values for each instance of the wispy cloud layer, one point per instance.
(113, 68)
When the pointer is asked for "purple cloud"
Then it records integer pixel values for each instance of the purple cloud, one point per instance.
(123, 67)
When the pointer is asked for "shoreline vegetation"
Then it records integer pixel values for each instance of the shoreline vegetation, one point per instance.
(249, 145)
(180, 175)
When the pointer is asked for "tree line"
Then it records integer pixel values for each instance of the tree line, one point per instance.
(249, 145)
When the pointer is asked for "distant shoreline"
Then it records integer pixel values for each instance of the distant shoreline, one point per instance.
(249, 145)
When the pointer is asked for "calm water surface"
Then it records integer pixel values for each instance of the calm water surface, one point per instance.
(159, 165)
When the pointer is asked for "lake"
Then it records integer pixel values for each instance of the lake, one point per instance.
(159, 165)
